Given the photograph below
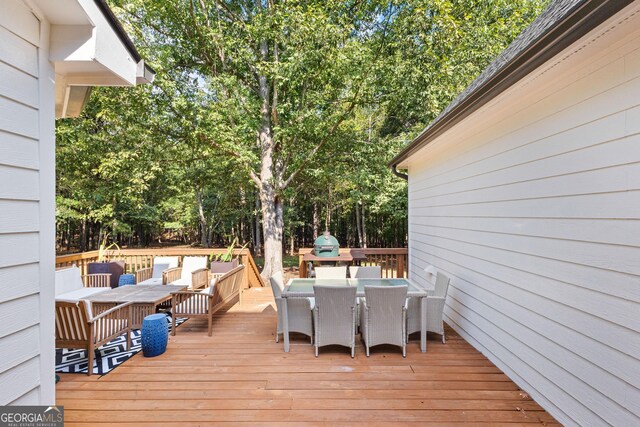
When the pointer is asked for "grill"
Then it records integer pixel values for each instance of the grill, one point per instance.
(326, 246)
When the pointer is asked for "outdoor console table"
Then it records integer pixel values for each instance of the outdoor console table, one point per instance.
(301, 288)
(145, 299)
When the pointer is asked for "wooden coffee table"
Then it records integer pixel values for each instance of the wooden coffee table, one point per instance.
(145, 299)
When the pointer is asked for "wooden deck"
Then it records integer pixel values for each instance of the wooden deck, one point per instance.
(240, 375)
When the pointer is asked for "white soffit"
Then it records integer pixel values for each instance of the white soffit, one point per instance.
(86, 51)
(63, 12)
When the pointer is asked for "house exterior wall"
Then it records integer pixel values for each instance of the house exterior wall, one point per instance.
(27, 212)
(532, 206)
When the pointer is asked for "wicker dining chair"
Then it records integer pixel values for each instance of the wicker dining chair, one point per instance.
(334, 316)
(331, 272)
(298, 309)
(383, 316)
(435, 309)
(371, 272)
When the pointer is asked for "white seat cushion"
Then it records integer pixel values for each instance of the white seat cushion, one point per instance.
(182, 282)
(161, 263)
(68, 279)
(152, 281)
(79, 295)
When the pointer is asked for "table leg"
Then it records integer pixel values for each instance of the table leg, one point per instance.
(285, 324)
(423, 324)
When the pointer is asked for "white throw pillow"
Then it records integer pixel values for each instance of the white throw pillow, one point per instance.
(161, 263)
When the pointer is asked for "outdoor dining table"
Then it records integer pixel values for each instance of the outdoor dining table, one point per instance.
(301, 288)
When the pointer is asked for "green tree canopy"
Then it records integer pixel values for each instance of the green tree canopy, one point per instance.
(271, 117)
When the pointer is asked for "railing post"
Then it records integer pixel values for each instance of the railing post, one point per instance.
(302, 266)
(245, 262)
(400, 266)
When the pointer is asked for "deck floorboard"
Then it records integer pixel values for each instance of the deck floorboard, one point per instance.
(240, 375)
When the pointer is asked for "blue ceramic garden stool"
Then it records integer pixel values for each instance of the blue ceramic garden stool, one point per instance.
(127, 279)
(155, 334)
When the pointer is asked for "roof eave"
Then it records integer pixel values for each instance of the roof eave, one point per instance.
(576, 23)
(148, 72)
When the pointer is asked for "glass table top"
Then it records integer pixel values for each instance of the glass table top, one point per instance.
(304, 287)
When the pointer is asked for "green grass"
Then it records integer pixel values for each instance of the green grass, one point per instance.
(288, 261)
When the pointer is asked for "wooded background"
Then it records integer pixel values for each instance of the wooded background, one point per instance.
(302, 102)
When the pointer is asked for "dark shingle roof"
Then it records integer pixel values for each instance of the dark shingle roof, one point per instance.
(562, 23)
(552, 14)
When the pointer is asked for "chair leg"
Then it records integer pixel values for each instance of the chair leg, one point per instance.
(404, 350)
(367, 349)
(209, 324)
(353, 351)
(316, 350)
(128, 339)
(173, 324)
(277, 337)
(444, 340)
(91, 355)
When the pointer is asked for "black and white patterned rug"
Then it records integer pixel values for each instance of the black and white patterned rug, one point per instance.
(108, 356)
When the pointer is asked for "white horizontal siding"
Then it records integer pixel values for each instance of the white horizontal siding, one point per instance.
(19, 381)
(18, 52)
(25, 342)
(19, 20)
(18, 118)
(599, 169)
(18, 86)
(532, 206)
(18, 249)
(19, 183)
(18, 216)
(19, 281)
(32, 397)
(19, 151)
(598, 332)
(18, 314)
(556, 258)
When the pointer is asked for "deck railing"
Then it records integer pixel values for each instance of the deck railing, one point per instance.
(392, 260)
(136, 259)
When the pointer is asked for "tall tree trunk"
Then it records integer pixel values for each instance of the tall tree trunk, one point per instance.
(359, 226)
(204, 236)
(269, 181)
(83, 235)
(272, 223)
(242, 226)
(68, 237)
(327, 219)
(316, 221)
(364, 228)
(258, 238)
